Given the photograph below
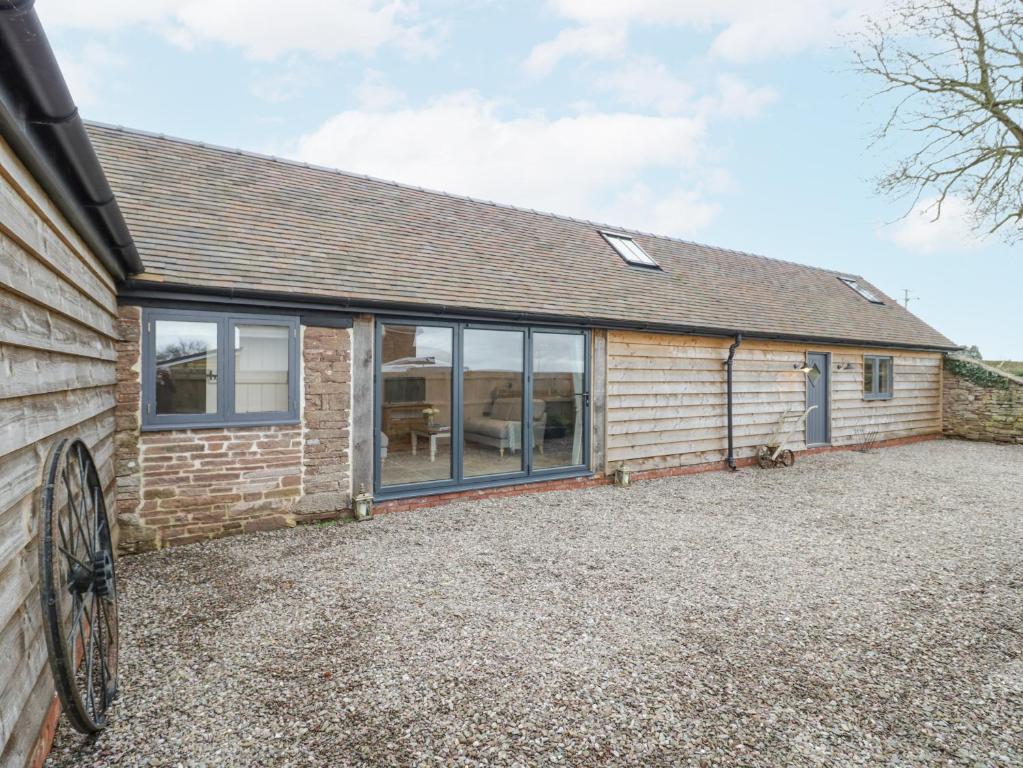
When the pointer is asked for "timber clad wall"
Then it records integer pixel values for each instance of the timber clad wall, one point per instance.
(57, 374)
(181, 486)
(666, 397)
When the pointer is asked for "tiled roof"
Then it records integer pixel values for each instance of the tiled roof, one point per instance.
(213, 217)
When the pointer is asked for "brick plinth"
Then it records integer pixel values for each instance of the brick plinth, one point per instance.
(420, 502)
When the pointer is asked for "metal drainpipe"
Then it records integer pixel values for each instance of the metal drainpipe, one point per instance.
(728, 365)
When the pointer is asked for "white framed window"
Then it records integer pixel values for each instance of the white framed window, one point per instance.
(863, 291)
(629, 250)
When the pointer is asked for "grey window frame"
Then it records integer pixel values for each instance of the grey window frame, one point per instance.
(876, 393)
(458, 481)
(225, 415)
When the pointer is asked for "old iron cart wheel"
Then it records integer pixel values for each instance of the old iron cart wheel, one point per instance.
(79, 596)
(764, 459)
(787, 458)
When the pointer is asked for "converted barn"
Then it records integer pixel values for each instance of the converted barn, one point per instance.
(301, 334)
(244, 343)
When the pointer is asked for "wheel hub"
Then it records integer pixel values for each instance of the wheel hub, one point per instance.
(102, 573)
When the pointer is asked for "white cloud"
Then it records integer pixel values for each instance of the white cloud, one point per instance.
(263, 29)
(919, 231)
(376, 94)
(646, 83)
(680, 211)
(88, 70)
(284, 81)
(734, 98)
(745, 29)
(593, 41)
(584, 165)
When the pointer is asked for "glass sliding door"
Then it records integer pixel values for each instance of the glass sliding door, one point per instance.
(493, 381)
(416, 374)
(559, 399)
(462, 404)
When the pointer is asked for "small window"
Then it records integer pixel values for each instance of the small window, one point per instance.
(205, 369)
(629, 250)
(877, 377)
(866, 293)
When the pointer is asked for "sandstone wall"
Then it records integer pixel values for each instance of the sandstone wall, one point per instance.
(981, 403)
(185, 485)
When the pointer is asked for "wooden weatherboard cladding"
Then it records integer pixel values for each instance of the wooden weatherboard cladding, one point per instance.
(666, 397)
(58, 331)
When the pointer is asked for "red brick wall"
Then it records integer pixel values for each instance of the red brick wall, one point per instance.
(181, 486)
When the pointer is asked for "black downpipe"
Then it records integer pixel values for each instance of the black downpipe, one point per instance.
(40, 122)
(728, 365)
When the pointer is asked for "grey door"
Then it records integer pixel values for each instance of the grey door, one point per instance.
(818, 392)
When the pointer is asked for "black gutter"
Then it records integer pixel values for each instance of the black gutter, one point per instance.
(730, 460)
(39, 120)
(152, 293)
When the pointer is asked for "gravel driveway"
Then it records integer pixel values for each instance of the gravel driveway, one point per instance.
(857, 609)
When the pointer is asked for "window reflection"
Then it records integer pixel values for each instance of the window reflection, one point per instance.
(558, 399)
(415, 429)
(186, 367)
(260, 368)
(492, 390)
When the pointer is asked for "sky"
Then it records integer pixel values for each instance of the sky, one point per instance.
(737, 123)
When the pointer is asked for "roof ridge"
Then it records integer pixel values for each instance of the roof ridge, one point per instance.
(450, 195)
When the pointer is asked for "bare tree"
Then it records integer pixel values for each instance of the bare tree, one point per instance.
(955, 68)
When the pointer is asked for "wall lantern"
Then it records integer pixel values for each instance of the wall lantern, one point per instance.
(802, 367)
(362, 505)
(623, 476)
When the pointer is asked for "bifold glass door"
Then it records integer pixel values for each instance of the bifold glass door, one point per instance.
(559, 399)
(465, 404)
(493, 380)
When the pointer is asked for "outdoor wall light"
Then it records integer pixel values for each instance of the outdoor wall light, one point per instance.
(623, 476)
(362, 505)
(803, 367)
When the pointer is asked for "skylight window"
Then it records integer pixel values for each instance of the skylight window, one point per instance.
(866, 293)
(629, 250)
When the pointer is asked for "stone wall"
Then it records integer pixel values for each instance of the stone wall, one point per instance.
(981, 403)
(181, 486)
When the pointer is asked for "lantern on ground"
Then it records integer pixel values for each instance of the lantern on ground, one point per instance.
(623, 476)
(362, 505)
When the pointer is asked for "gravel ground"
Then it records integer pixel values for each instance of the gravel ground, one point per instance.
(857, 609)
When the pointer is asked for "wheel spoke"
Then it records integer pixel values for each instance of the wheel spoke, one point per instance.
(88, 661)
(70, 556)
(94, 516)
(76, 621)
(74, 510)
(104, 642)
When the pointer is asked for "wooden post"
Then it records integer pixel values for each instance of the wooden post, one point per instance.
(598, 403)
(363, 392)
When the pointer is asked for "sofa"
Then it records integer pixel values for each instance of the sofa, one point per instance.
(499, 426)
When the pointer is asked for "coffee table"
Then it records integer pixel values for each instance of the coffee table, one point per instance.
(434, 435)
